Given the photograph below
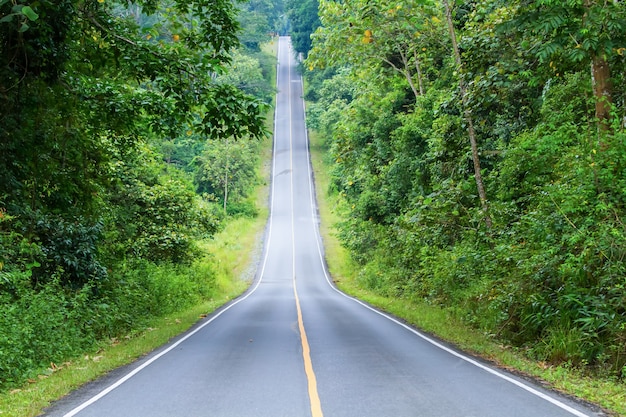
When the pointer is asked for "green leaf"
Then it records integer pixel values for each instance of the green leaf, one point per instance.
(7, 18)
(24, 27)
(30, 13)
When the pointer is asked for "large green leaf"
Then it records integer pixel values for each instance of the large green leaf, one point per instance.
(30, 13)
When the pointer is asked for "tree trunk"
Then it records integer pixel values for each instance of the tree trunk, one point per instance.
(225, 190)
(419, 74)
(602, 89)
(600, 80)
(405, 71)
(467, 114)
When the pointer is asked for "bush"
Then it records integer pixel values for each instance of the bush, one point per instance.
(40, 327)
(52, 323)
(69, 249)
(157, 214)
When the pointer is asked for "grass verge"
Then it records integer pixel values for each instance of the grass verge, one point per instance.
(608, 394)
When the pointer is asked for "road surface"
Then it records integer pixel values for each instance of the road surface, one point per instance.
(295, 346)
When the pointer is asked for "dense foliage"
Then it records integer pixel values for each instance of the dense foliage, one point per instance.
(107, 110)
(401, 88)
(303, 20)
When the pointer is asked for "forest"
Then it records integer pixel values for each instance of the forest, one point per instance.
(478, 158)
(129, 136)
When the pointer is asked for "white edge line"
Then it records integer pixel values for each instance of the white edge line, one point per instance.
(507, 378)
(293, 228)
(149, 362)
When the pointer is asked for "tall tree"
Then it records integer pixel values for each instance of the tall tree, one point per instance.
(226, 171)
(92, 64)
(258, 19)
(467, 114)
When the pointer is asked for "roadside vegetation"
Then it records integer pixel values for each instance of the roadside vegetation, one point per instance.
(133, 179)
(443, 323)
(477, 175)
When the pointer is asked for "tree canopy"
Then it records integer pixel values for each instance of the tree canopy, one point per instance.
(81, 78)
(303, 19)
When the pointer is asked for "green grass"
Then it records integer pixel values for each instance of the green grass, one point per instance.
(609, 394)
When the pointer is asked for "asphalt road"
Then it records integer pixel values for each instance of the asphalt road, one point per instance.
(295, 346)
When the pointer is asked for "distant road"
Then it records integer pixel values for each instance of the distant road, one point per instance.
(295, 346)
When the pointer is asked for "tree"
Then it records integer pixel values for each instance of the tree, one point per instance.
(467, 114)
(259, 19)
(590, 32)
(378, 34)
(226, 171)
(245, 73)
(304, 20)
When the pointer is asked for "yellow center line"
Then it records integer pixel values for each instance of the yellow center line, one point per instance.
(314, 398)
(316, 405)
